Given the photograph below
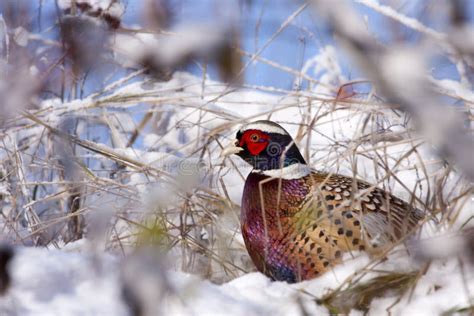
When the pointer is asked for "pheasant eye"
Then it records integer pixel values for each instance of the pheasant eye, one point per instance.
(254, 138)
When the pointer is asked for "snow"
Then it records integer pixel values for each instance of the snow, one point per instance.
(86, 277)
(456, 88)
(427, 299)
(77, 281)
(405, 20)
(166, 50)
(325, 67)
(21, 36)
(62, 283)
(69, 283)
(112, 7)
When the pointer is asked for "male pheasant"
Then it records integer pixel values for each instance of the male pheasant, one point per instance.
(296, 222)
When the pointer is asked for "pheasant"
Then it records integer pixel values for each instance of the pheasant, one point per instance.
(297, 222)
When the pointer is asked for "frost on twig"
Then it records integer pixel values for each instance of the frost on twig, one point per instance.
(400, 74)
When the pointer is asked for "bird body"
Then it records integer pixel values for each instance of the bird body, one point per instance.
(296, 222)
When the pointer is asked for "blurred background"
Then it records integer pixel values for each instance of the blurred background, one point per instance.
(113, 196)
(281, 34)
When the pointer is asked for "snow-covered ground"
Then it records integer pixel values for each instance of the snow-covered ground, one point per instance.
(53, 282)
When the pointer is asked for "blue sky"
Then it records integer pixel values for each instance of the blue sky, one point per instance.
(258, 20)
(304, 37)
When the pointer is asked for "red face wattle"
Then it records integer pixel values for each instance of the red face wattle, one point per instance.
(256, 141)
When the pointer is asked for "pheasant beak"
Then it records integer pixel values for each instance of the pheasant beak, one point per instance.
(232, 148)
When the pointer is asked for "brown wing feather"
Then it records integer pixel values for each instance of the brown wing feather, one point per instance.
(347, 215)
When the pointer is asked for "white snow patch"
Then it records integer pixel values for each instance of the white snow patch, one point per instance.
(112, 7)
(46, 282)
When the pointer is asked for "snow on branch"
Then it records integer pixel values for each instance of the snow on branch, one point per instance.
(400, 74)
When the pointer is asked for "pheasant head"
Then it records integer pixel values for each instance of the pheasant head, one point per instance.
(265, 146)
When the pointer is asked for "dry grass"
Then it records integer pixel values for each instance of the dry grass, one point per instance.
(90, 168)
